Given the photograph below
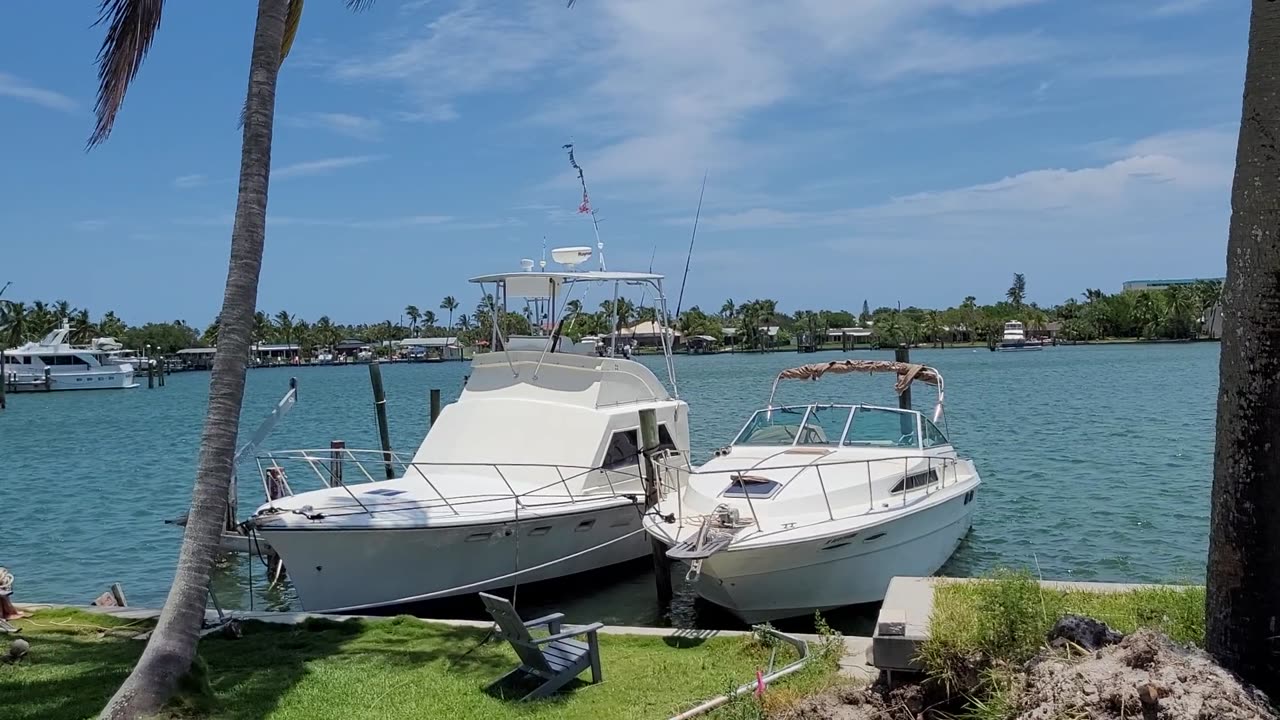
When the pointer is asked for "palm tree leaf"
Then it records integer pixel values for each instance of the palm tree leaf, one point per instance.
(131, 26)
(293, 16)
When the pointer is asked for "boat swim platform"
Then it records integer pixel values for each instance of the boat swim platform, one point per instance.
(902, 627)
(853, 665)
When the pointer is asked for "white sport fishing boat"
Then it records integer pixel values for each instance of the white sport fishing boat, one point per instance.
(54, 363)
(817, 506)
(534, 473)
(1015, 339)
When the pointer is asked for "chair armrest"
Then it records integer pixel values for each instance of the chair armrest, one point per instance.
(545, 620)
(573, 631)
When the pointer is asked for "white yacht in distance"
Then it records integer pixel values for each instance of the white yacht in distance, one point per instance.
(1015, 338)
(54, 363)
(817, 506)
(534, 473)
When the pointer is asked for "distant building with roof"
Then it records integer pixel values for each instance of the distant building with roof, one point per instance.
(1132, 285)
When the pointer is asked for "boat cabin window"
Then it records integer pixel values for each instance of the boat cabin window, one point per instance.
(665, 442)
(824, 425)
(624, 449)
(744, 486)
(773, 426)
(933, 437)
(916, 481)
(882, 427)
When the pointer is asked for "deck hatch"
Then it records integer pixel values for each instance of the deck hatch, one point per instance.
(751, 486)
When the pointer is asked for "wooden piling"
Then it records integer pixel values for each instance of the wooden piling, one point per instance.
(903, 355)
(4, 378)
(337, 449)
(435, 405)
(661, 563)
(161, 370)
(380, 411)
(48, 379)
(151, 373)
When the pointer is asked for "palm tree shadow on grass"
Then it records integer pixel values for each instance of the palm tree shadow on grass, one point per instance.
(73, 676)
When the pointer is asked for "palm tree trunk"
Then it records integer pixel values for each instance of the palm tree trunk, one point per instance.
(1243, 604)
(169, 653)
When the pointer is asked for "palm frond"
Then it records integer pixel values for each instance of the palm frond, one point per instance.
(131, 26)
(358, 5)
(292, 17)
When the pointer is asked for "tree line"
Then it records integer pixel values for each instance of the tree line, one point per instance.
(1174, 312)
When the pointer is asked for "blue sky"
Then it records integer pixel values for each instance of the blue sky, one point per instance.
(893, 150)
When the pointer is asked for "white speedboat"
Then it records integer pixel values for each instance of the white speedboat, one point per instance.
(1015, 338)
(817, 506)
(534, 473)
(54, 363)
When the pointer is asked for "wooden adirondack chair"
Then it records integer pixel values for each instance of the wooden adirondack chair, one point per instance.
(555, 659)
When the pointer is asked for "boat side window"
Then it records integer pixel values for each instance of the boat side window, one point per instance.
(623, 450)
(933, 437)
(824, 425)
(773, 426)
(880, 427)
(665, 442)
(916, 481)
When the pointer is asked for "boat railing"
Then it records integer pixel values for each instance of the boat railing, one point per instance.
(939, 473)
(342, 467)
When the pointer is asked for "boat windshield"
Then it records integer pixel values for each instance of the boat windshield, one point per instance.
(773, 426)
(882, 427)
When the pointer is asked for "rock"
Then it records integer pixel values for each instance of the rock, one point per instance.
(18, 648)
(1086, 632)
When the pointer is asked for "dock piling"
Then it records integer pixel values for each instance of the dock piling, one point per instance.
(661, 563)
(903, 355)
(380, 410)
(48, 379)
(337, 448)
(151, 373)
(435, 405)
(4, 378)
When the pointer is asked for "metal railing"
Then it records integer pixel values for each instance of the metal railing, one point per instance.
(886, 488)
(333, 467)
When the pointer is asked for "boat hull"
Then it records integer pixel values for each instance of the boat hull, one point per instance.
(60, 381)
(779, 581)
(359, 569)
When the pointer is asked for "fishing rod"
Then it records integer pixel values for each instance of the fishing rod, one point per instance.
(694, 236)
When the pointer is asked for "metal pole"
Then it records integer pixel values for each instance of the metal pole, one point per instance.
(649, 447)
(380, 411)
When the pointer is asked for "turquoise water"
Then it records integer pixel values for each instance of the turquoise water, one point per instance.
(1097, 462)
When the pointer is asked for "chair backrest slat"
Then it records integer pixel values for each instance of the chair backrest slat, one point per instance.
(512, 629)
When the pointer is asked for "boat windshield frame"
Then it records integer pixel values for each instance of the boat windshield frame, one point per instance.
(555, 299)
(917, 434)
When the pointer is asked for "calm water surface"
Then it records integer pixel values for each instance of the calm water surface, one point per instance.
(1097, 462)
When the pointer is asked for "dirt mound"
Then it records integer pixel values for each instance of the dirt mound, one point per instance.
(1146, 675)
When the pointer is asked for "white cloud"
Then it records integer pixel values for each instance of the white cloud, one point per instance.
(664, 87)
(321, 167)
(1180, 7)
(1148, 172)
(193, 180)
(355, 126)
(90, 225)
(13, 87)
(400, 222)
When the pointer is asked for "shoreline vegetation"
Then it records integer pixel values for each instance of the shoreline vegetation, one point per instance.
(1174, 313)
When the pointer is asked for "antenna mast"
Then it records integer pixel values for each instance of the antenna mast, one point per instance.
(694, 236)
(585, 208)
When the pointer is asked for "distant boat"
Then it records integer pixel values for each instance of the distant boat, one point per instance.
(1015, 339)
(54, 363)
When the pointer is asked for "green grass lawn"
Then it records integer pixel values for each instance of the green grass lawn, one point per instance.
(357, 669)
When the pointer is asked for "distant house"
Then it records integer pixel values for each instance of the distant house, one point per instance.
(350, 347)
(276, 353)
(851, 335)
(432, 348)
(649, 334)
(1133, 285)
(197, 358)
